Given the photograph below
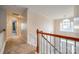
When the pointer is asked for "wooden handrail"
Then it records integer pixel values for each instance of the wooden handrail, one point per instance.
(59, 36)
(54, 35)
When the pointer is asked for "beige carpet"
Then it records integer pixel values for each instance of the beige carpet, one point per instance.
(15, 46)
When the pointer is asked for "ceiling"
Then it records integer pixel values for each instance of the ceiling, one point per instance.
(51, 11)
(14, 9)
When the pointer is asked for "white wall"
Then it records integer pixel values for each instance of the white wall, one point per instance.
(24, 25)
(37, 21)
(2, 26)
(2, 42)
(2, 19)
(57, 23)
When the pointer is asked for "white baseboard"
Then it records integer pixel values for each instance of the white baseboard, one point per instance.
(2, 49)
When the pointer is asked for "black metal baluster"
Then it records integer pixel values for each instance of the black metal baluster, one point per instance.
(41, 43)
(75, 48)
(66, 47)
(43, 46)
(50, 45)
(60, 44)
(54, 45)
(46, 45)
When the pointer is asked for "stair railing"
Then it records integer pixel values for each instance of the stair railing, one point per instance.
(48, 43)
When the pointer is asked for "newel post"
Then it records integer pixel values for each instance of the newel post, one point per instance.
(37, 41)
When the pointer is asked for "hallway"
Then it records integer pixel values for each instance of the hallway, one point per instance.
(58, 25)
(15, 46)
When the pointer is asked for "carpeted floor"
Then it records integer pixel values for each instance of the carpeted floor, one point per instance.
(15, 46)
